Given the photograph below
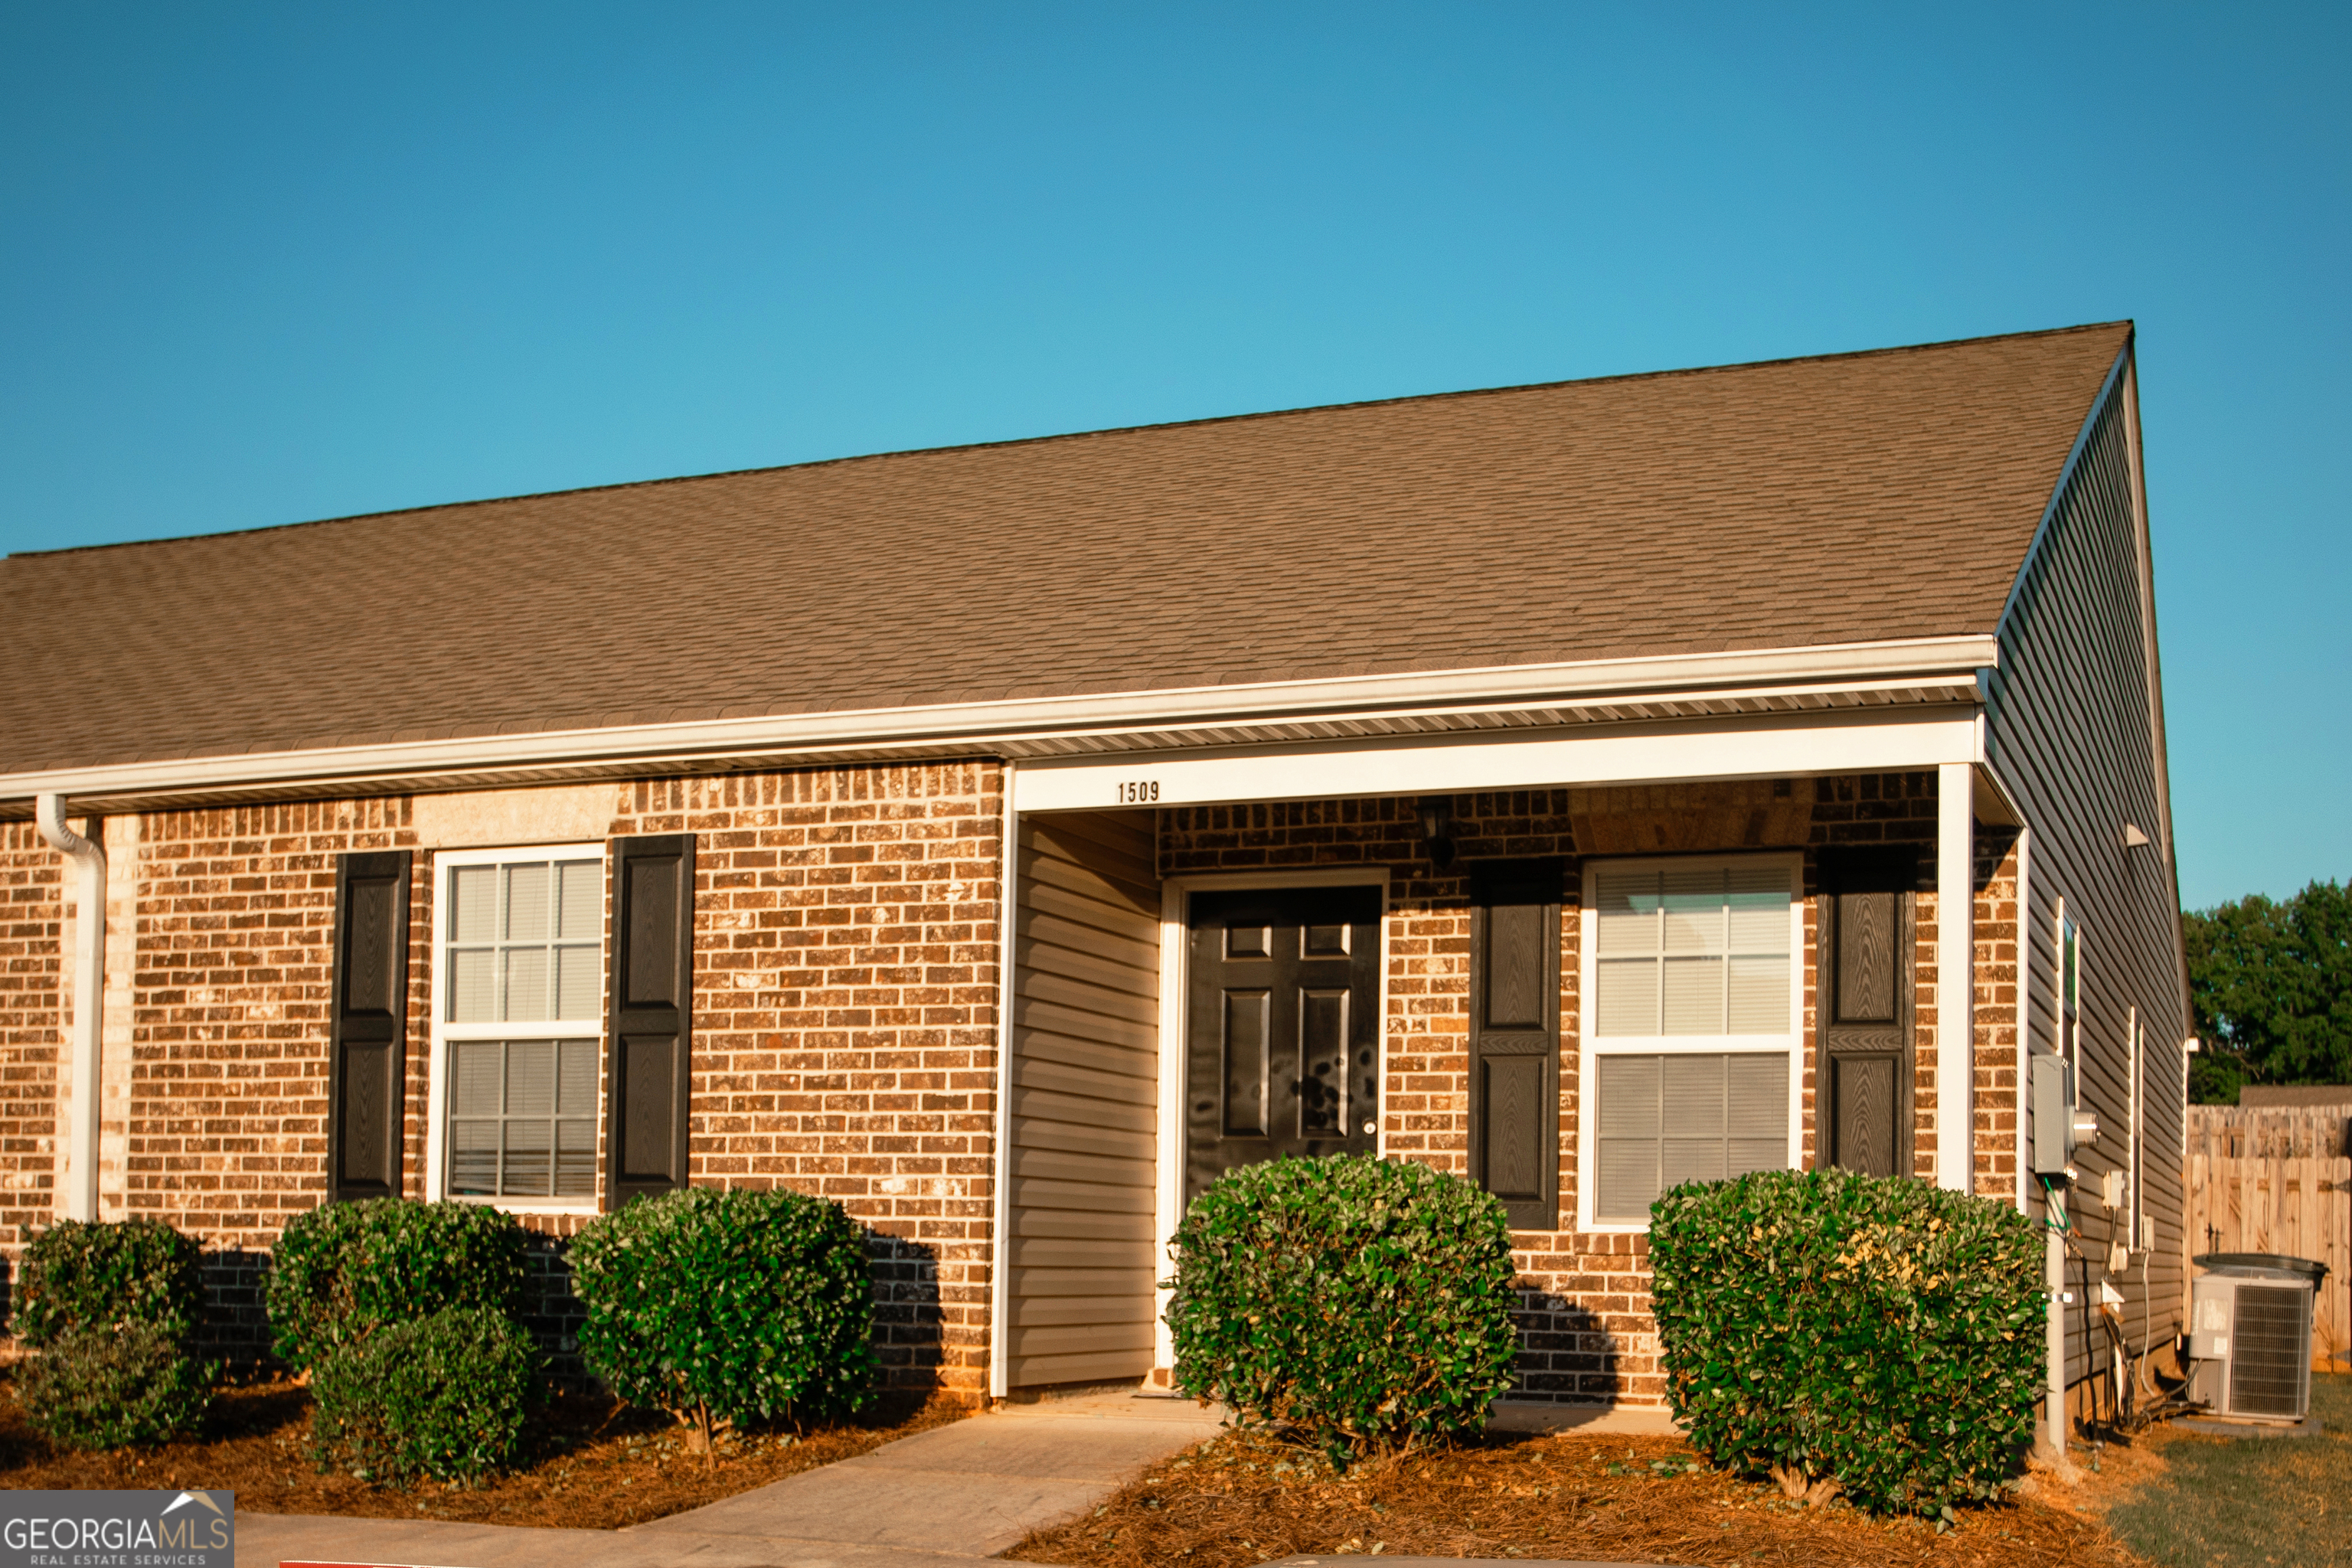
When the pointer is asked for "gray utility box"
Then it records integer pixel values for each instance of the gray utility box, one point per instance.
(2250, 1335)
(2051, 1127)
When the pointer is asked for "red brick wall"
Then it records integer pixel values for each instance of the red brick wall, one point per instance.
(32, 980)
(845, 954)
(845, 1039)
(235, 932)
(1995, 1022)
(1586, 1330)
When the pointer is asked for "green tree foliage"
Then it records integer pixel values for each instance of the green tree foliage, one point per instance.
(344, 1271)
(1868, 1334)
(103, 1276)
(2271, 984)
(446, 1396)
(729, 1307)
(116, 1385)
(1363, 1304)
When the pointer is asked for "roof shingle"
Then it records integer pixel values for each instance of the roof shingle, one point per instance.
(1843, 498)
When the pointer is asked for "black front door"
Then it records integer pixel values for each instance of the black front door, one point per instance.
(1283, 1027)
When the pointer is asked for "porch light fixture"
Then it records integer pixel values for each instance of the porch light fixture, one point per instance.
(1436, 813)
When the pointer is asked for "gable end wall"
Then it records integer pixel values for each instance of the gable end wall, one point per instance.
(2071, 731)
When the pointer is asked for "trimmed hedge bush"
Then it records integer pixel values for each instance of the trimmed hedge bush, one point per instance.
(446, 1396)
(728, 1307)
(110, 1386)
(1365, 1303)
(1871, 1332)
(81, 1276)
(342, 1271)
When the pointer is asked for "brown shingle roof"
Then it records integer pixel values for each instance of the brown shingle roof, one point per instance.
(1851, 497)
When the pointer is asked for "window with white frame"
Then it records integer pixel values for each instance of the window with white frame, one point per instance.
(519, 992)
(1690, 1024)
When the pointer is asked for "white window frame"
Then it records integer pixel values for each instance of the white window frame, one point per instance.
(444, 1033)
(1591, 1047)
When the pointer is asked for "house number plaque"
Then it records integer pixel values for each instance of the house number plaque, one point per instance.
(1136, 792)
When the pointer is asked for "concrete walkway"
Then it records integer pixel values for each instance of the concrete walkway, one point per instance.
(939, 1500)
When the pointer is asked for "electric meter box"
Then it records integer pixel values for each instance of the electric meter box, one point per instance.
(2052, 1109)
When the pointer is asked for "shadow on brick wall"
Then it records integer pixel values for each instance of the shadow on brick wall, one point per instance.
(1566, 1354)
(552, 1312)
(906, 1310)
(236, 1317)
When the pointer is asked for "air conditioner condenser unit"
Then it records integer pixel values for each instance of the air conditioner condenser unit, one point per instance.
(2249, 1337)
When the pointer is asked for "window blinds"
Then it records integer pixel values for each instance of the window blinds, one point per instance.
(1686, 951)
(1668, 1119)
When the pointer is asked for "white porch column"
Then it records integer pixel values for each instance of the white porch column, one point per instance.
(1955, 974)
(999, 1271)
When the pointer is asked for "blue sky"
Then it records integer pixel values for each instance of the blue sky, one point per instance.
(269, 263)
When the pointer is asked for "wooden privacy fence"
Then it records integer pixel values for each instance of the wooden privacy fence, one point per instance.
(2277, 1179)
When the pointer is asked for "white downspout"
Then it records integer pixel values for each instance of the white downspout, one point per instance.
(80, 1186)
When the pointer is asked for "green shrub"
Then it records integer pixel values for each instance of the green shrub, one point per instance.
(445, 1396)
(79, 1276)
(1365, 1303)
(344, 1271)
(111, 1386)
(728, 1307)
(1871, 1332)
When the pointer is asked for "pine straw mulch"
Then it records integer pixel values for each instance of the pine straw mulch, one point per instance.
(592, 1465)
(1244, 1498)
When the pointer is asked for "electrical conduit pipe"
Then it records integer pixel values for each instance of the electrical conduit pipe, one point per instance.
(80, 1186)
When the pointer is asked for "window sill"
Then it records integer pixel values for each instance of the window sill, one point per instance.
(531, 1205)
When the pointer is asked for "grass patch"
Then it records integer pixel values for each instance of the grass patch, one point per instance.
(2248, 1502)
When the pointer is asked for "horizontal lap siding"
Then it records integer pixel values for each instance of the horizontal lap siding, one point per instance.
(2072, 733)
(1083, 1131)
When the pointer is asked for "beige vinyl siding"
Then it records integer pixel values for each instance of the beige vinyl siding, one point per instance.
(1083, 1129)
(2072, 731)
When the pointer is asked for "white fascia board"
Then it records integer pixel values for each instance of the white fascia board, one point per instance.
(976, 726)
(1757, 746)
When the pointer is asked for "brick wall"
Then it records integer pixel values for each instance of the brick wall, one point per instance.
(225, 1128)
(32, 981)
(1996, 1021)
(846, 971)
(846, 953)
(1586, 1330)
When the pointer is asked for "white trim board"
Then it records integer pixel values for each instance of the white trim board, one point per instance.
(1887, 666)
(1764, 746)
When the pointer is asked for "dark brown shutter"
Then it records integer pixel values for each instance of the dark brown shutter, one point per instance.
(652, 988)
(1515, 1037)
(1866, 1009)
(367, 1053)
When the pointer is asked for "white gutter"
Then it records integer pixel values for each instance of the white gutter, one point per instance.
(78, 1186)
(975, 725)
